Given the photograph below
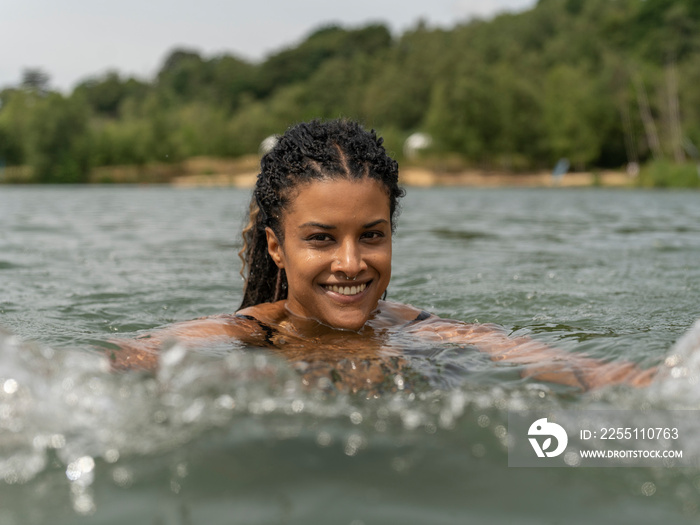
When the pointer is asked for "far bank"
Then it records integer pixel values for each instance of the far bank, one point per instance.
(242, 172)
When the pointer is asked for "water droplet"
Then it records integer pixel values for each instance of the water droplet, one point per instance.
(57, 441)
(122, 477)
(10, 386)
(268, 405)
(81, 470)
(400, 464)
(192, 413)
(411, 419)
(672, 360)
(84, 504)
(324, 439)
(226, 401)
(572, 459)
(678, 371)
(181, 470)
(353, 444)
(11, 477)
(173, 356)
(500, 431)
(380, 426)
(479, 450)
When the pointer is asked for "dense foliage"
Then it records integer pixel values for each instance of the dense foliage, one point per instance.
(601, 82)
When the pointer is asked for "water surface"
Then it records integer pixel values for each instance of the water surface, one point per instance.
(232, 436)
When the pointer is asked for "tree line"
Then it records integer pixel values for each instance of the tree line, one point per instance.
(603, 83)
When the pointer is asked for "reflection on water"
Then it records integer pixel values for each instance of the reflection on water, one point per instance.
(233, 435)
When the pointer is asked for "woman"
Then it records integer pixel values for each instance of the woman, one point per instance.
(317, 263)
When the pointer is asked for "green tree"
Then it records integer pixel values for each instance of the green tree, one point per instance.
(58, 140)
(399, 90)
(183, 74)
(297, 64)
(15, 108)
(572, 115)
(232, 80)
(106, 94)
(35, 80)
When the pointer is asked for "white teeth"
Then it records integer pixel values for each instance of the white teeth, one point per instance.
(347, 290)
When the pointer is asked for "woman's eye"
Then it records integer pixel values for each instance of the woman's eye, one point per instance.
(319, 237)
(372, 235)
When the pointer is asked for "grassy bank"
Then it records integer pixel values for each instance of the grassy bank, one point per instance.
(665, 174)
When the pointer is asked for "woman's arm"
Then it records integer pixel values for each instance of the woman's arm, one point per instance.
(142, 352)
(541, 362)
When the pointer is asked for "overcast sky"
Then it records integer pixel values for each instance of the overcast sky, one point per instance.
(75, 39)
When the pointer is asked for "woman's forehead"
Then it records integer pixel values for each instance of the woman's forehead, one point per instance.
(339, 197)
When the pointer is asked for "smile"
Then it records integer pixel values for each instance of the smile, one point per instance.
(346, 290)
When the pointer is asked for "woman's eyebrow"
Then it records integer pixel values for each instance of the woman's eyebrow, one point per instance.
(313, 224)
(317, 225)
(374, 223)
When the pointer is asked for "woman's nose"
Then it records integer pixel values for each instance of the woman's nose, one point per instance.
(349, 259)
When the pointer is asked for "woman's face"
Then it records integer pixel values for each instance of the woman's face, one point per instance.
(336, 250)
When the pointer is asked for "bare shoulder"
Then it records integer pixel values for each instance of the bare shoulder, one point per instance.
(268, 313)
(427, 325)
(142, 351)
(216, 327)
(398, 313)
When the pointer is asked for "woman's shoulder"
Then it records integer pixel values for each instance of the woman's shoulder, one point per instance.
(394, 313)
(268, 313)
(420, 321)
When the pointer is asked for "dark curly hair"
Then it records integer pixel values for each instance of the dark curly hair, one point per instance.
(308, 151)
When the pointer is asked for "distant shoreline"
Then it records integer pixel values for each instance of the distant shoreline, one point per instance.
(485, 179)
(242, 173)
(413, 176)
(422, 178)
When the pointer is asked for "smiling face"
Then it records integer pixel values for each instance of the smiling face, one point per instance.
(336, 250)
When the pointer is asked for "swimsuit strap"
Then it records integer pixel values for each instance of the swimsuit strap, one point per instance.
(269, 331)
(422, 316)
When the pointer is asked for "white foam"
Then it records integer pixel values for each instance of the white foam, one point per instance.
(678, 383)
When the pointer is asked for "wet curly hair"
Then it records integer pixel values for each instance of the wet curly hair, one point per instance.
(315, 150)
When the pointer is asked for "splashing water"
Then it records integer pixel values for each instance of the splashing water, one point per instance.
(71, 428)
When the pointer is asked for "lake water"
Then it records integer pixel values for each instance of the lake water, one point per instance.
(231, 436)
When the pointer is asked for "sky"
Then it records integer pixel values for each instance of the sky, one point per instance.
(73, 40)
